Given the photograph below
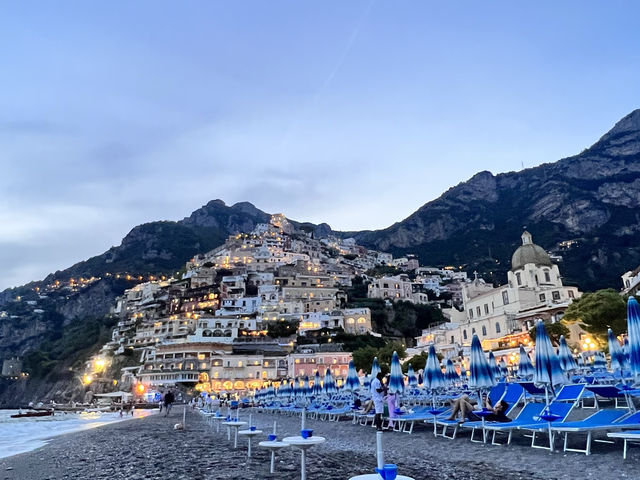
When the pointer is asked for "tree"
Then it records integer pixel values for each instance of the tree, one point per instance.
(599, 311)
(554, 330)
(417, 362)
(363, 358)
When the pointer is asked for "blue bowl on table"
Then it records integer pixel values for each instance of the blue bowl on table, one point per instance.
(306, 433)
(252, 428)
(272, 437)
(389, 472)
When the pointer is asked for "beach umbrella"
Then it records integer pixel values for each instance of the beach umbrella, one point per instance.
(548, 371)
(317, 384)
(420, 376)
(493, 364)
(433, 377)
(450, 373)
(352, 383)
(599, 361)
(306, 389)
(367, 382)
(329, 385)
(580, 361)
(413, 380)
(504, 371)
(525, 367)
(375, 368)
(396, 381)
(626, 350)
(481, 373)
(567, 362)
(618, 358)
(633, 330)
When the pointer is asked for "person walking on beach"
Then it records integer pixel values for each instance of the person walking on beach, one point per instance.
(377, 395)
(169, 398)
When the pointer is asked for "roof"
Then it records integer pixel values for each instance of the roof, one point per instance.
(529, 252)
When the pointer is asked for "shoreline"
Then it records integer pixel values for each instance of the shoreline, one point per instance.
(152, 449)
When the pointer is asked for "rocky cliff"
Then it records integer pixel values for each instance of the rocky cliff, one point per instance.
(585, 207)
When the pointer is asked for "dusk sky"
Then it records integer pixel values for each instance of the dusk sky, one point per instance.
(352, 113)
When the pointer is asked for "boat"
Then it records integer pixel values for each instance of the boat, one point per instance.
(48, 413)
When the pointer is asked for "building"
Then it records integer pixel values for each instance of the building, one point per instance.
(357, 320)
(631, 282)
(310, 359)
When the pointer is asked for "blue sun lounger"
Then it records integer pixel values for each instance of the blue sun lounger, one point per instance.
(599, 421)
(630, 436)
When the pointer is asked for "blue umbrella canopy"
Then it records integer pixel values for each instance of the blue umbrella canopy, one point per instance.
(599, 361)
(525, 367)
(413, 379)
(450, 373)
(307, 392)
(352, 383)
(317, 384)
(329, 384)
(375, 368)
(493, 364)
(396, 381)
(567, 362)
(433, 377)
(548, 371)
(481, 373)
(626, 349)
(633, 329)
(367, 382)
(618, 358)
(504, 371)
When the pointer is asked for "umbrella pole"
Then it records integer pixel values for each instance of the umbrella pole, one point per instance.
(250, 415)
(274, 427)
(184, 417)
(379, 453)
(546, 394)
(303, 418)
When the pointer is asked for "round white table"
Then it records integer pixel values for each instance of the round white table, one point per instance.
(375, 476)
(249, 434)
(273, 446)
(217, 419)
(235, 425)
(303, 444)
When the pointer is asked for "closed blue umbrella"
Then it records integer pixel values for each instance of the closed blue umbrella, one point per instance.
(618, 359)
(317, 384)
(504, 371)
(548, 371)
(525, 367)
(307, 392)
(433, 377)
(450, 373)
(626, 349)
(413, 380)
(567, 362)
(633, 329)
(493, 364)
(481, 373)
(375, 368)
(367, 382)
(599, 361)
(329, 384)
(396, 381)
(352, 383)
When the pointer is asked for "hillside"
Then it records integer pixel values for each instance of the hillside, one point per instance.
(589, 201)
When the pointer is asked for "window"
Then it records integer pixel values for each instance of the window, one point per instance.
(473, 331)
(478, 311)
(497, 327)
(362, 320)
(486, 309)
(547, 277)
(385, 285)
(484, 331)
(471, 313)
(505, 297)
(519, 278)
(451, 339)
(537, 282)
(570, 292)
(555, 295)
(543, 297)
(464, 334)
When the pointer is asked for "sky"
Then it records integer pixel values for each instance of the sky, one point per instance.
(115, 113)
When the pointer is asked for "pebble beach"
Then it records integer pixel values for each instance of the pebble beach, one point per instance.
(150, 448)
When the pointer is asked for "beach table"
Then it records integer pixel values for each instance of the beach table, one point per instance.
(235, 425)
(217, 419)
(303, 444)
(249, 434)
(273, 446)
(375, 476)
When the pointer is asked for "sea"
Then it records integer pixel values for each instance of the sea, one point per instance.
(19, 435)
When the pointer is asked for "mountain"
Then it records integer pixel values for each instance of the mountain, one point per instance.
(584, 207)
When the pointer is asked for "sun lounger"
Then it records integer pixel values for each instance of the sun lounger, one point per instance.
(601, 420)
(632, 436)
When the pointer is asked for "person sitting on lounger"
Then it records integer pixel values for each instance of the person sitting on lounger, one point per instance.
(464, 405)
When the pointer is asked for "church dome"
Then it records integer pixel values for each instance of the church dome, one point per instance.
(529, 252)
